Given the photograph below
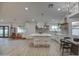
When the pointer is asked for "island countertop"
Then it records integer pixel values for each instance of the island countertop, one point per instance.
(46, 35)
(74, 42)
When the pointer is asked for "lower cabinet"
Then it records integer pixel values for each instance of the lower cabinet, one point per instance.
(75, 49)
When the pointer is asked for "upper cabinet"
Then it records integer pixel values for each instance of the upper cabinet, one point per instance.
(74, 9)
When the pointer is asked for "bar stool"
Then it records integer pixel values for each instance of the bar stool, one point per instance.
(65, 45)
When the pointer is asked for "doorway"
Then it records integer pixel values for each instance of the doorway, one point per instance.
(4, 31)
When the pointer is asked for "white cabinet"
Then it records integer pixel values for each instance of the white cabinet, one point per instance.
(74, 9)
(41, 39)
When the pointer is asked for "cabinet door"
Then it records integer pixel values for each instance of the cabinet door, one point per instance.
(6, 30)
(74, 49)
(1, 31)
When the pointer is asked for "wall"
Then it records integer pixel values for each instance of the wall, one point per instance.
(30, 29)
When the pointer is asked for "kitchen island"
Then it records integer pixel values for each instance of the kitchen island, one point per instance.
(41, 39)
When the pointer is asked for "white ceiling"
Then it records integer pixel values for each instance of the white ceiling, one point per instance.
(15, 11)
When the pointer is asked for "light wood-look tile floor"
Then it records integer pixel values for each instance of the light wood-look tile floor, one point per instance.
(10, 47)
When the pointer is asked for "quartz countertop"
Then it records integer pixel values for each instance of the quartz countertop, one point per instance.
(49, 35)
(76, 43)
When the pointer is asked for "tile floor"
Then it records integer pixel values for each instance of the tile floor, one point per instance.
(10, 47)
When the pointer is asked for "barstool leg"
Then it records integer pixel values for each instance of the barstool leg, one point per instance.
(62, 52)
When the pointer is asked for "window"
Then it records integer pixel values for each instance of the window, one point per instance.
(20, 30)
(75, 31)
(75, 28)
(55, 28)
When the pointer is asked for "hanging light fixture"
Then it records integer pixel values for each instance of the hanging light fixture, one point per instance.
(50, 5)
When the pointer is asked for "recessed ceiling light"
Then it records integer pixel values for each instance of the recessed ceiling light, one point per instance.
(59, 9)
(33, 19)
(1, 20)
(26, 8)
